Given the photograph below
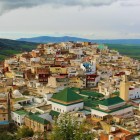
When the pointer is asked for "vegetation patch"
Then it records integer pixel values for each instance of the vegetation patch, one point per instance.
(131, 50)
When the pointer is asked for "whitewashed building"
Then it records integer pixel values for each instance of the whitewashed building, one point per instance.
(134, 93)
(66, 101)
(18, 116)
(112, 106)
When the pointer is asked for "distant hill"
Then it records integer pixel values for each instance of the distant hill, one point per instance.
(10, 47)
(46, 39)
(129, 47)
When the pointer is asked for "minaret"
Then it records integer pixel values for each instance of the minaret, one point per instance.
(9, 104)
(124, 89)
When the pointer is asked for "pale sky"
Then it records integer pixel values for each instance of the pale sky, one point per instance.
(93, 19)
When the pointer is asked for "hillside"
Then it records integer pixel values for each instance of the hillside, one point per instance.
(46, 39)
(9, 47)
(131, 50)
(129, 47)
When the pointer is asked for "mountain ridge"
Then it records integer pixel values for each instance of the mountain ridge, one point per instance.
(47, 39)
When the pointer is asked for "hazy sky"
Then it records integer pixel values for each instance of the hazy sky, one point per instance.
(94, 19)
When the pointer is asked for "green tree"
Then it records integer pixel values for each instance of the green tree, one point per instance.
(67, 127)
(45, 136)
(6, 136)
(24, 132)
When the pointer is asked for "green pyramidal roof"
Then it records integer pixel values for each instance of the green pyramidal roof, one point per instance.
(67, 95)
(111, 101)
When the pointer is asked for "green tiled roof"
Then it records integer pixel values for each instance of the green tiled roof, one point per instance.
(37, 113)
(91, 103)
(111, 101)
(91, 93)
(38, 119)
(75, 88)
(67, 95)
(101, 47)
(54, 113)
(21, 112)
(29, 113)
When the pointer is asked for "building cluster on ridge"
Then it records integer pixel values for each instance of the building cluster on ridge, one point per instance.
(88, 80)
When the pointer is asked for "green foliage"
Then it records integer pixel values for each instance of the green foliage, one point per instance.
(2, 57)
(6, 136)
(127, 49)
(45, 136)
(24, 132)
(11, 47)
(67, 128)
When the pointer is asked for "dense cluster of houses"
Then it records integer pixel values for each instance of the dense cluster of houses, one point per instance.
(85, 79)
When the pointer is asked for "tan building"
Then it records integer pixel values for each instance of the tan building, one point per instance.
(58, 70)
(124, 89)
(3, 110)
(35, 122)
(57, 81)
(79, 82)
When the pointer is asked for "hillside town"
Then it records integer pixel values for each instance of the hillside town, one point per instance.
(87, 80)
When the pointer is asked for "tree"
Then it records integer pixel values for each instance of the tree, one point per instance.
(67, 128)
(6, 136)
(45, 136)
(24, 132)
